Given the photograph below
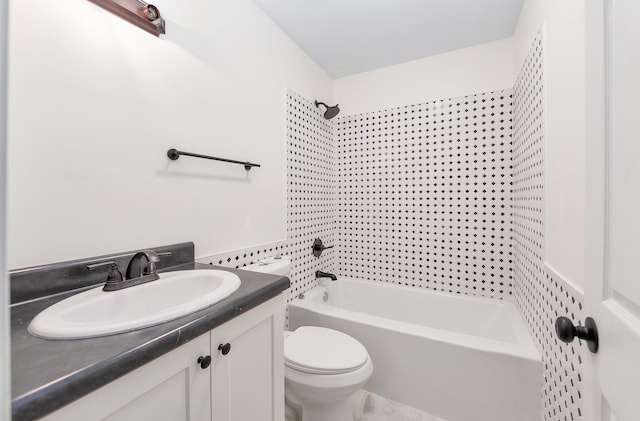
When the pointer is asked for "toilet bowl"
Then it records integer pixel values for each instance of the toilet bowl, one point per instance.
(323, 367)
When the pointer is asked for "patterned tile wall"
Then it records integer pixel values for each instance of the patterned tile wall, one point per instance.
(541, 296)
(246, 256)
(311, 191)
(424, 195)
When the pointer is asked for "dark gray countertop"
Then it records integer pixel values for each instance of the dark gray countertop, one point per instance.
(48, 374)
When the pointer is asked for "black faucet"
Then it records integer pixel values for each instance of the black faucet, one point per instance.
(321, 274)
(141, 269)
(143, 263)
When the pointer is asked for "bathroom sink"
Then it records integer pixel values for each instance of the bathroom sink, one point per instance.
(95, 312)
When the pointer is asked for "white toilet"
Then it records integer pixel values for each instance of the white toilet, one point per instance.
(323, 367)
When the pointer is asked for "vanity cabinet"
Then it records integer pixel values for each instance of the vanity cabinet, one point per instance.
(244, 380)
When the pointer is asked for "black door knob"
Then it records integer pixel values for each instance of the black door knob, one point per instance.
(204, 361)
(566, 331)
(224, 348)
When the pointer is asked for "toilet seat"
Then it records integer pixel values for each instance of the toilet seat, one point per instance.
(318, 350)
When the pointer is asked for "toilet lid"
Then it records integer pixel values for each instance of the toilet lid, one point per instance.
(318, 350)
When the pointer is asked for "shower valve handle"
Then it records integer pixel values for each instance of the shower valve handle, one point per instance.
(318, 247)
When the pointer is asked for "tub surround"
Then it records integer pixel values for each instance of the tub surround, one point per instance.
(311, 192)
(424, 195)
(540, 294)
(48, 374)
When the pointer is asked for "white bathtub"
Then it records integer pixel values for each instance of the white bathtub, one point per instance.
(458, 357)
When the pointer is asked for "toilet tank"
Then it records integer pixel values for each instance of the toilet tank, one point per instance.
(276, 265)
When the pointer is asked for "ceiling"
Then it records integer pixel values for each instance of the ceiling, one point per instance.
(351, 36)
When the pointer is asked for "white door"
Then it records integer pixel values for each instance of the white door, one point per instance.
(5, 334)
(612, 288)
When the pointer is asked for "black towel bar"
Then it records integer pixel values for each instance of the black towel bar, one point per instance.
(174, 154)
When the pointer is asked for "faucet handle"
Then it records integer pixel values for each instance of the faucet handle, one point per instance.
(114, 277)
(153, 258)
(95, 266)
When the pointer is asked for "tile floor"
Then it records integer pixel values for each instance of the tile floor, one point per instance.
(367, 406)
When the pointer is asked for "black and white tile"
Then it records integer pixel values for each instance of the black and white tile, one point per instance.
(247, 256)
(311, 191)
(541, 296)
(424, 195)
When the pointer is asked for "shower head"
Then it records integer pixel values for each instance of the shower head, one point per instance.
(330, 112)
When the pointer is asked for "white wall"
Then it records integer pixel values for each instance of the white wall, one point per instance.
(95, 103)
(483, 68)
(565, 127)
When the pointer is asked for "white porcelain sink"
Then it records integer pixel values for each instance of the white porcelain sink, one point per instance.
(95, 312)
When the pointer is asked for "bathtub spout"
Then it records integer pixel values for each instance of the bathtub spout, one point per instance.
(320, 274)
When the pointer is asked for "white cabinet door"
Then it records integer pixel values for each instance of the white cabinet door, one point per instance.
(173, 388)
(247, 383)
(612, 288)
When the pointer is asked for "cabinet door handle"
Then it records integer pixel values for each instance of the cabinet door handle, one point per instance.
(224, 348)
(204, 361)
